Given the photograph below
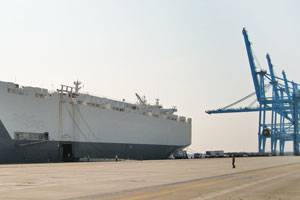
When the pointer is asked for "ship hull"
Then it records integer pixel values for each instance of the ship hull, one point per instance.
(50, 151)
(26, 151)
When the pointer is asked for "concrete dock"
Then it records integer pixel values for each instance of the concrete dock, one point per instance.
(254, 178)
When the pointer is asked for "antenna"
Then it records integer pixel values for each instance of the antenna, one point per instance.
(77, 86)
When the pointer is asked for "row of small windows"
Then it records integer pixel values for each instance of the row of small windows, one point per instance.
(133, 107)
(21, 92)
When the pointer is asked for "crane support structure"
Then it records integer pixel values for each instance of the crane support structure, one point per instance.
(278, 110)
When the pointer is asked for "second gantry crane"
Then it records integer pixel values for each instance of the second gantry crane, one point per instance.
(278, 110)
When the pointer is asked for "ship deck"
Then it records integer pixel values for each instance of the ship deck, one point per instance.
(254, 178)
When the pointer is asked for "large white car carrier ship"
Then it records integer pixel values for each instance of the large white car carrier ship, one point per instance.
(41, 126)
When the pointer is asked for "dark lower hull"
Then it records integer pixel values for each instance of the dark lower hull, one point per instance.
(18, 151)
(12, 151)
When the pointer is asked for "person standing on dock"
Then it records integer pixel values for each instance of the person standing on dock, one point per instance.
(233, 161)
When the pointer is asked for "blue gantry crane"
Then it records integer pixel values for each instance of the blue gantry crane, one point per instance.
(278, 109)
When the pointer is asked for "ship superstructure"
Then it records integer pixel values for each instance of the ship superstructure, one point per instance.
(38, 126)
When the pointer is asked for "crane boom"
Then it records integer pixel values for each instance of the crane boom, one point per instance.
(252, 64)
(140, 99)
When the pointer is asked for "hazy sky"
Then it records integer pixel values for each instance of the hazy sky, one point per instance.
(186, 53)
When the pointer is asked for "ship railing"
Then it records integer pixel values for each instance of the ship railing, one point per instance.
(31, 143)
(65, 89)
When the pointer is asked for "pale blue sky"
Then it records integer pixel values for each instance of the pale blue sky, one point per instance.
(187, 53)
